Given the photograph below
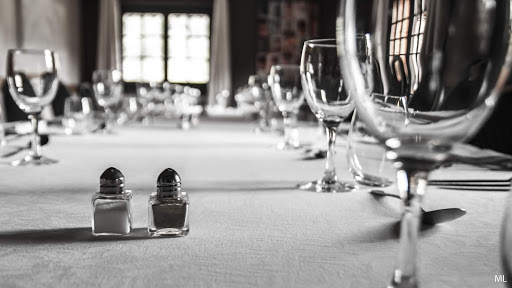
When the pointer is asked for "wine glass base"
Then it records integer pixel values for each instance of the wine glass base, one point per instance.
(323, 187)
(372, 181)
(31, 160)
(403, 282)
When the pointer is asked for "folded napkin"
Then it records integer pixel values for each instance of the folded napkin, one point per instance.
(471, 163)
(465, 172)
(485, 158)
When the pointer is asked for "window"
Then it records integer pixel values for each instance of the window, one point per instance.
(172, 47)
(189, 48)
(143, 47)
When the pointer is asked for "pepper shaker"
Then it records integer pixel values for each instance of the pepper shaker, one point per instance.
(168, 207)
(112, 213)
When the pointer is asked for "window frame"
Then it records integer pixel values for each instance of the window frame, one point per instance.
(181, 7)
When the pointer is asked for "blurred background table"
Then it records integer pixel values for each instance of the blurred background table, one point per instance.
(249, 225)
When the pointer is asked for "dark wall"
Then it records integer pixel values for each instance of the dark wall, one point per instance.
(89, 28)
(243, 34)
(243, 40)
(328, 10)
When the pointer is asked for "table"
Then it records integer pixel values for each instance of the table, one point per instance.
(249, 226)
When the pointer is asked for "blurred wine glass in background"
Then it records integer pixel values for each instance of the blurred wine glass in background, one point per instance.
(78, 115)
(284, 81)
(259, 87)
(107, 85)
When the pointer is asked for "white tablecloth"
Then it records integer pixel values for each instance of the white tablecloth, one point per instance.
(249, 226)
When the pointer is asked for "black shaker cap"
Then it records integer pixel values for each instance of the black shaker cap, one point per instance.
(112, 181)
(169, 181)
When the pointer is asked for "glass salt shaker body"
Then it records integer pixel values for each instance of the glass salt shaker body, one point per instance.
(168, 207)
(112, 212)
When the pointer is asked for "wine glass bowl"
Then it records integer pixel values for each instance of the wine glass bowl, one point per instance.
(324, 88)
(107, 85)
(329, 100)
(32, 80)
(285, 84)
(447, 59)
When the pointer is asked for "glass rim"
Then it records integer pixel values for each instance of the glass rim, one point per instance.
(385, 95)
(30, 51)
(285, 66)
(327, 42)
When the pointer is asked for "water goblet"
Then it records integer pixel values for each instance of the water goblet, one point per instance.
(108, 87)
(32, 79)
(366, 155)
(329, 100)
(284, 82)
(448, 60)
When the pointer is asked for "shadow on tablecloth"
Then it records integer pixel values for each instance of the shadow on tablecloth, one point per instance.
(65, 235)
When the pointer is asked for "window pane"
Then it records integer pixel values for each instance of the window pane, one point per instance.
(189, 48)
(199, 71)
(153, 46)
(188, 71)
(198, 47)
(177, 47)
(176, 69)
(143, 47)
(153, 69)
(199, 25)
(131, 69)
(153, 24)
(131, 46)
(131, 23)
(177, 25)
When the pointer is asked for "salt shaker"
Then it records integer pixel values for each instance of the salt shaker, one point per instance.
(112, 213)
(168, 207)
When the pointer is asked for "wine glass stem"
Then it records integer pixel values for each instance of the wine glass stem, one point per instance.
(330, 170)
(290, 136)
(411, 185)
(263, 119)
(36, 147)
(108, 118)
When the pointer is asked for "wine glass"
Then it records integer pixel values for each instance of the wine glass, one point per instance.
(448, 59)
(329, 100)
(107, 86)
(284, 81)
(259, 87)
(32, 80)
